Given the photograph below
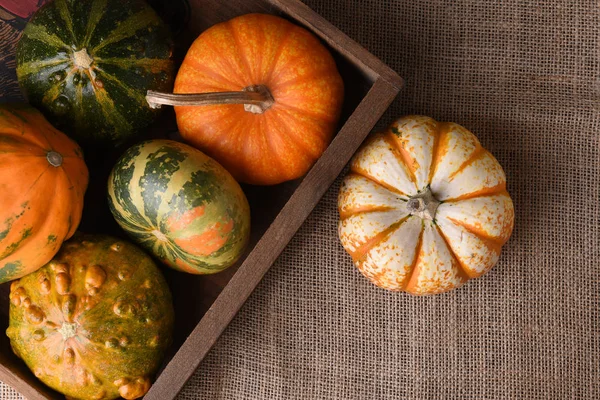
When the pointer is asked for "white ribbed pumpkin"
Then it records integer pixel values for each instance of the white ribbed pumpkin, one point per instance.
(424, 208)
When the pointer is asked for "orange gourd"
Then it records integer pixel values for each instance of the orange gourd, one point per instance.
(42, 180)
(280, 138)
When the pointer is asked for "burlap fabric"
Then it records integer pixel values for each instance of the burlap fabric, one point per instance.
(525, 77)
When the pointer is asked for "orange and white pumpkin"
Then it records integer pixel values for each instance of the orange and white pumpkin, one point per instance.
(424, 207)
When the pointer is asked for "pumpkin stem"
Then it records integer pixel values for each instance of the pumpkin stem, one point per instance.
(423, 204)
(256, 99)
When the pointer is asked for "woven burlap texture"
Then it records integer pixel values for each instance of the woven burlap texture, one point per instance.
(524, 76)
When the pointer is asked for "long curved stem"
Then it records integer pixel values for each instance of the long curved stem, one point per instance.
(256, 99)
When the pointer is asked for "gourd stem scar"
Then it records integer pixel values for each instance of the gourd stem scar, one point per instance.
(54, 158)
(423, 204)
(67, 330)
(82, 59)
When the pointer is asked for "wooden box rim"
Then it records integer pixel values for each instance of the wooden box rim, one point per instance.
(385, 87)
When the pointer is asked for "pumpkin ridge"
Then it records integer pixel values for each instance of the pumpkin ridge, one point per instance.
(361, 251)
(462, 268)
(495, 243)
(240, 49)
(307, 113)
(488, 191)
(180, 173)
(96, 13)
(37, 180)
(41, 131)
(41, 34)
(14, 246)
(355, 170)
(54, 204)
(286, 35)
(153, 65)
(415, 262)
(197, 66)
(74, 196)
(9, 223)
(234, 70)
(79, 98)
(18, 140)
(319, 74)
(111, 113)
(245, 142)
(63, 11)
(298, 143)
(136, 95)
(440, 132)
(399, 155)
(477, 154)
(53, 93)
(363, 210)
(128, 27)
(32, 67)
(234, 136)
(469, 196)
(269, 141)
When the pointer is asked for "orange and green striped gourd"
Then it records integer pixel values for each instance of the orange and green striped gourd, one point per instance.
(180, 205)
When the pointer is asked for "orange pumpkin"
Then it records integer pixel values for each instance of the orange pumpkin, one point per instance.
(42, 180)
(281, 139)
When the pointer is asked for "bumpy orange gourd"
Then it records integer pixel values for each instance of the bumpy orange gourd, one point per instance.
(42, 182)
(252, 50)
(424, 207)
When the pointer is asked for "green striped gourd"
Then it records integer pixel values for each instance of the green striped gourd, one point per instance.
(87, 64)
(180, 205)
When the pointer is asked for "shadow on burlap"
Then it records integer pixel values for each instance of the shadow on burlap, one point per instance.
(525, 78)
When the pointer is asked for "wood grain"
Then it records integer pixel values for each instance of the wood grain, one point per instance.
(205, 305)
(359, 56)
(291, 217)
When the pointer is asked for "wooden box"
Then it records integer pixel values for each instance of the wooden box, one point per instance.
(205, 305)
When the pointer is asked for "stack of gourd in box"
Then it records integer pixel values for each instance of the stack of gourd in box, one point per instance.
(257, 100)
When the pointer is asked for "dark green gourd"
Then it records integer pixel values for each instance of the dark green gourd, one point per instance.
(87, 64)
